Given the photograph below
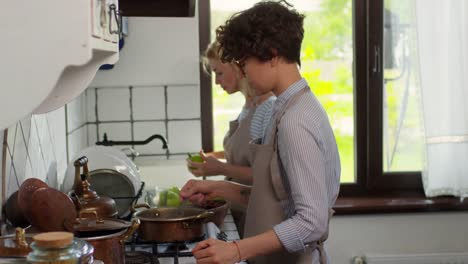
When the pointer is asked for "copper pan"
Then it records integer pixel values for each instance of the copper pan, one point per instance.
(171, 224)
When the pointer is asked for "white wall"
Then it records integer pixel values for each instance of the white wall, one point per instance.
(397, 234)
(157, 51)
(154, 88)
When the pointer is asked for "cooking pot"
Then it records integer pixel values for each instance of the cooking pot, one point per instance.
(171, 224)
(111, 173)
(110, 248)
(16, 245)
(86, 199)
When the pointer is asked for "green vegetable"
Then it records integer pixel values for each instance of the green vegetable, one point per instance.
(195, 158)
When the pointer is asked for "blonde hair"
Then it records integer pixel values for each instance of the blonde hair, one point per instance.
(213, 52)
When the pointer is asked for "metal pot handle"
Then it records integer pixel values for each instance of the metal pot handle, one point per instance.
(130, 230)
(145, 205)
(93, 212)
(203, 216)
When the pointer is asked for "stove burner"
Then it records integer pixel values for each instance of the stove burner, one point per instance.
(140, 257)
(176, 247)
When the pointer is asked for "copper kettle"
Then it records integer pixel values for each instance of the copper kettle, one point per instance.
(86, 199)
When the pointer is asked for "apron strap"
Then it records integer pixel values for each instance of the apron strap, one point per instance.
(276, 179)
(319, 244)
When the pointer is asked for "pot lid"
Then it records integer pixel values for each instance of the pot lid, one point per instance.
(25, 193)
(51, 210)
(173, 214)
(92, 224)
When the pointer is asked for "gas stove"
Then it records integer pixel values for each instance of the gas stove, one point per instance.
(143, 252)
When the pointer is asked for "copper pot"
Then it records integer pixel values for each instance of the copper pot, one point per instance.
(16, 245)
(171, 224)
(110, 248)
(219, 208)
(86, 199)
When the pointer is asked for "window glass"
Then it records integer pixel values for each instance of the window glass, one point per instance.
(402, 128)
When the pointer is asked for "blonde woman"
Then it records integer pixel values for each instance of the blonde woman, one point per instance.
(250, 124)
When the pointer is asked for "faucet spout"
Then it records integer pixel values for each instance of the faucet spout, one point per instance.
(106, 142)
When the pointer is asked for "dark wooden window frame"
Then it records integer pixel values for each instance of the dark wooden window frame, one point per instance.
(374, 191)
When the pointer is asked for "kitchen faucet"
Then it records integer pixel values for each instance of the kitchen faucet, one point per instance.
(106, 142)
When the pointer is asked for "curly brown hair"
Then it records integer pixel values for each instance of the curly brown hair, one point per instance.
(266, 30)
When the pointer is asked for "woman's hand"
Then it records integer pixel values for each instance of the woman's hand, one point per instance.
(212, 251)
(210, 166)
(198, 191)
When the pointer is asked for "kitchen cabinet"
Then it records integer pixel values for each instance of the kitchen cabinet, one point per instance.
(158, 8)
(51, 50)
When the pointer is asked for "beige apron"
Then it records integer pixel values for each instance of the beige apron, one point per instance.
(264, 210)
(237, 152)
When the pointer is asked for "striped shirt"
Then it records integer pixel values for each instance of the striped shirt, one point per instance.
(309, 166)
(261, 118)
(244, 112)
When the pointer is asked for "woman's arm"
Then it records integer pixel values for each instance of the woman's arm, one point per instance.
(216, 251)
(200, 190)
(214, 167)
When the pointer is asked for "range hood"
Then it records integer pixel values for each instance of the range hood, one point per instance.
(51, 51)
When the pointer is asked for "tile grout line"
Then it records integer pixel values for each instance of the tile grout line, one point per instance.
(41, 150)
(26, 145)
(132, 126)
(96, 113)
(166, 121)
(4, 159)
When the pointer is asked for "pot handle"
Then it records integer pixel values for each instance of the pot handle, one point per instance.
(145, 205)
(130, 230)
(204, 215)
(93, 212)
(192, 222)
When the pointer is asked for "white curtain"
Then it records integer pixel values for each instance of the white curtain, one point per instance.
(442, 32)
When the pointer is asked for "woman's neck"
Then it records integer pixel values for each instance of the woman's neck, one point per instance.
(262, 98)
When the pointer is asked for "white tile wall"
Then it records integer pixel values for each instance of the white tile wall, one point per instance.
(92, 135)
(144, 130)
(149, 103)
(36, 148)
(90, 94)
(77, 113)
(158, 52)
(183, 102)
(184, 136)
(113, 104)
(116, 132)
(19, 151)
(79, 140)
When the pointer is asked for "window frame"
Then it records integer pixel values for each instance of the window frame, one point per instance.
(374, 191)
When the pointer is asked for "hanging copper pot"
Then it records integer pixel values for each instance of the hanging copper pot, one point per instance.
(86, 199)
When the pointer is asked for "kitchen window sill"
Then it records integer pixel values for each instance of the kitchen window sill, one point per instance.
(389, 204)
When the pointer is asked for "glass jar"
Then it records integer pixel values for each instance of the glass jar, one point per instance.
(54, 248)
